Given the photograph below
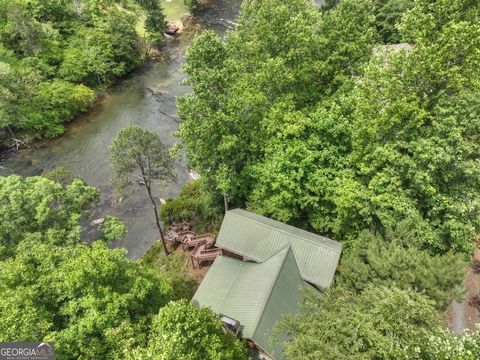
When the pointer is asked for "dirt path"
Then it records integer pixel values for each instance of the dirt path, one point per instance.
(466, 315)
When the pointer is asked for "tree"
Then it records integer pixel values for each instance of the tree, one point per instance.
(77, 296)
(23, 34)
(173, 268)
(394, 261)
(197, 204)
(8, 96)
(295, 117)
(42, 208)
(31, 103)
(138, 155)
(60, 175)
(284, 57)
(388, 14)
(89, 58)
(155, 21)
(427, 19)
(191, 4)
(56, 102)
(183, 331)
(120, 26)
(47, 46)
(446, 346)
(90, 300)
(112, 229)
(379, 323)
(414, 131)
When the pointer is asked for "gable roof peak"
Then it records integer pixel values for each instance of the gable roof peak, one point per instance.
(258, 238)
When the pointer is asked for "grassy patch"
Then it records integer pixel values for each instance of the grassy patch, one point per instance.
(174, 268)
(174, 9)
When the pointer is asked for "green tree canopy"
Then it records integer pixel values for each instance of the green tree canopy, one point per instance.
(396, 263)
(183, 331)
(284, 56)
(379, 323)
(76, 295)
(388, 16)
(51, 50)
(92, 301)
(89, 58)
(197, 205)
(41, 208)
(446, 346)
(414, 135)
(294, 116)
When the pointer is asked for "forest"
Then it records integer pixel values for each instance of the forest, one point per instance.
(359, 120)
(55, 56)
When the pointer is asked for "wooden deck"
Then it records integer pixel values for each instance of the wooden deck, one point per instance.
(193, 241)
(203, 245)
(204, 253)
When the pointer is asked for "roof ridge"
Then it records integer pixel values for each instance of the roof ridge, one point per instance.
(274, 282)
(289, 233)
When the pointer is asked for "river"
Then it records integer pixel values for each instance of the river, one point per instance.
(83, 149)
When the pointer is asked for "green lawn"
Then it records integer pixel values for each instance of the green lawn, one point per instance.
(174, 9)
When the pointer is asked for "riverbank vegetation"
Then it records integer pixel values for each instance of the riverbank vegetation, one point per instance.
(316, 121)
(314, 117)
(191, 4)
(320, 119)
(90, 300)
(197, 205)
(55, 54)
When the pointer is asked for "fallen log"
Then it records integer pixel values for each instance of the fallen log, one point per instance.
(17, 142)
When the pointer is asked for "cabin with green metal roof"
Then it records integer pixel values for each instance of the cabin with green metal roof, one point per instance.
(257, 238)
(255, 295)
(264, 281)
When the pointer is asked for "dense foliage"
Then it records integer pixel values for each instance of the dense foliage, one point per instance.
(75, 296)
(41, 209)
(394, 263)
(295, 116)
(53, 52)
(444, 346)
(300, 114)
(308, 117)
(191, 4)
(380, 323)
(197, 205)
(174, 269)
(91, 300)
(388, 15)
(183, 331)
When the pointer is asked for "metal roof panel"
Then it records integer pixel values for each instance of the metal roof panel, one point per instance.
(257, 238)
(257, 295)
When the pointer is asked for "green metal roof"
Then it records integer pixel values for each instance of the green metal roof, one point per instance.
(256, 295)
(257, 238)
